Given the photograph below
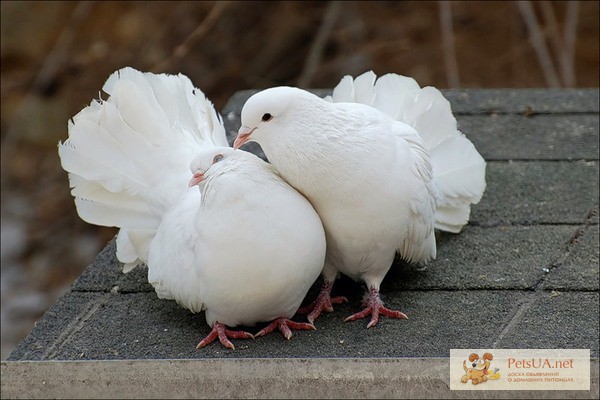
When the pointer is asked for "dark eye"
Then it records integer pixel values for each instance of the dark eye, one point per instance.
(217, 158)
(267, 117)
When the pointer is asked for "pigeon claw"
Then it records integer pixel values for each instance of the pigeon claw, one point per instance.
(324, 302)
(285, 326)
(375, 308)
(375, 312)
(220, 331)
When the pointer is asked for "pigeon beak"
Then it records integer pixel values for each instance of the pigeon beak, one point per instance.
(242, 137)
(196, 179)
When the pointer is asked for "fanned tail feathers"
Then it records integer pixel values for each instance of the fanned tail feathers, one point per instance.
(458, 168)
(128, 156)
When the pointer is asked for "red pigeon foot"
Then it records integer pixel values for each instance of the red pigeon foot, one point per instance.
(219, 330)
(374, 308)
(324, 302)
(285, 326)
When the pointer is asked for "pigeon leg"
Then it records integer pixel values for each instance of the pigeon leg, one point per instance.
(220, 331)
(284, 325)
(374, 308)
(324, 302)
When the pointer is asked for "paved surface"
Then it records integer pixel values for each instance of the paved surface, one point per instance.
(523, 274)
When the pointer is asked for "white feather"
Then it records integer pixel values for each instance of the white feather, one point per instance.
(128, 156)
(458, 169)
(363, 88)
(393, 94)
(344, 91)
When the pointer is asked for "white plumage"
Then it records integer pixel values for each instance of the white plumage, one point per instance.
(226, 248)
(458, 168)
(382, 162)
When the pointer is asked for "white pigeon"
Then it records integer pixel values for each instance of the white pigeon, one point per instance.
(244, 245)
(382, 162)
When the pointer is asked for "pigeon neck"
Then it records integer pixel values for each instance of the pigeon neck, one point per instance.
(308, 153)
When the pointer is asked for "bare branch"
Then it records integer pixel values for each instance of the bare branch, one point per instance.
(201, 30)
(570, 34)
(556, 39)
(448, 48)
(59, 52)
(564, 59)
(537, 42)
(318, 45)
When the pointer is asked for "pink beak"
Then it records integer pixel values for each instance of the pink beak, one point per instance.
(196, 179)
(242, 137)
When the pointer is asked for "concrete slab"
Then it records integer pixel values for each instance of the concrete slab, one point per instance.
(579, 269)
(573, 317)
(108, 326)
(514, 257)
(507, 257)
(313, 378)
(540, 137)
(105, 274)
(540, 192)
(523, 101)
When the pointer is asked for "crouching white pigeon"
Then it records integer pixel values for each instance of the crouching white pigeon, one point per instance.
(382, 162)
(239, 243)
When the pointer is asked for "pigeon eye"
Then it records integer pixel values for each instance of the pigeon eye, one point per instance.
(218, 158)
(267, 117)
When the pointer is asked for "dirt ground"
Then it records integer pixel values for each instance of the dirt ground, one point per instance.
(56, 56)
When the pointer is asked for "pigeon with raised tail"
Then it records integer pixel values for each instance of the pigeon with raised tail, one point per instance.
(383, 164)
(218, 228)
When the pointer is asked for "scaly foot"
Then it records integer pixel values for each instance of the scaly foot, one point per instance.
(324, 302)
(284, 325)
(374, 308)
(219, 330)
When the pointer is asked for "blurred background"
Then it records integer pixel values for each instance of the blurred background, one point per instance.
(57, 55)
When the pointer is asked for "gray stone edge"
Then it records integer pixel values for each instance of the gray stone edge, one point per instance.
(251, 378)
(527, 102)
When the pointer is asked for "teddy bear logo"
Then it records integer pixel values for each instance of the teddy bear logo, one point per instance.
(478, 370)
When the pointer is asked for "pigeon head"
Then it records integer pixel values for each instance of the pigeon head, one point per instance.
(208, 162)
(268, 113)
